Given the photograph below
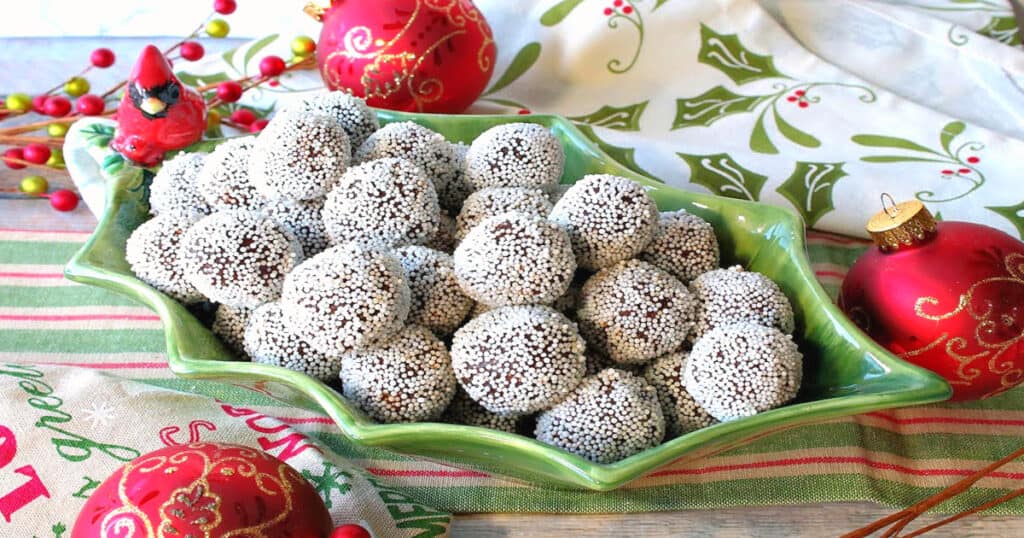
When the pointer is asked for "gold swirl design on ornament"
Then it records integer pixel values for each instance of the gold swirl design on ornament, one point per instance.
(982, 312)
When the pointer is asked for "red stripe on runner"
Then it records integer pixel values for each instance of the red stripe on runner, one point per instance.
(310, 420)
(108, 365)
(429, 474)
(796, 462)
(833, 274)
(80, 317)
(837, 238)
(20, 230)
(947, 420)
(31, 275)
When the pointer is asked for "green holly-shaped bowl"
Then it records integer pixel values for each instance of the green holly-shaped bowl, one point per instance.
(845, 373)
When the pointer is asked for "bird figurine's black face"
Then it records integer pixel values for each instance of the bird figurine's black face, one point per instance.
(154, 102)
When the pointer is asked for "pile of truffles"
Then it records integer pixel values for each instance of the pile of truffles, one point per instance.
(430, 280)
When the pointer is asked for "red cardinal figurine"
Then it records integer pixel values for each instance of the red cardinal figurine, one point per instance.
(158, 113)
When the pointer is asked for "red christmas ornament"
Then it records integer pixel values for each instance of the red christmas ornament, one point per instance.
(945, 296)
(412, 55)
(204, 489)
(158, 113)
(350, 530)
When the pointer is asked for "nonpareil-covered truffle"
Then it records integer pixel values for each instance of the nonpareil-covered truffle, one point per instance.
(153, 251)
(733, 295)
(229, 325)
(437, 301)
(347, 297)
(634, 312)
(301, 218)
(608, 417)
(608, 218)
(518, 360)
(268, 340)
(387, 201)
(684, 245)
(238, 257)
(409, 378)
(224, 181)
(515, 259)
(351, 112)
(299, 155)
(682, 413)
(497, 200)
(452, 193)
(515, 155)
(463, 410)
(417, 144)
(175, 187)
(742, 369)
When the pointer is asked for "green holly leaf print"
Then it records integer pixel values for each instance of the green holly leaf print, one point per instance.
(625, 118)
(1013, 213)
(723, 176)
(1002, 29)
(624, 156)
(99, 135)
(879, 141)
(728, 55)
(794, 134)
(658, 4)
(952, 130)
(558, 12)
(759, 139)
(523, 61)
(713, 105)
(809, 188)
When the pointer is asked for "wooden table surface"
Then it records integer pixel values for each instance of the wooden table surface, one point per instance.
(789, 521)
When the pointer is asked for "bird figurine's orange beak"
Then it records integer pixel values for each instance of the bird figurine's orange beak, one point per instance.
(152, 106)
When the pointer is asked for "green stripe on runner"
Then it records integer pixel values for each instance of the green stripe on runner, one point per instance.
(37, 252)
(775, 491)
(59, 296)
(917, 446)
(341, 445)
(82, 341)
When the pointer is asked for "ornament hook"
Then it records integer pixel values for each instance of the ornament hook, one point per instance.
(892, 210)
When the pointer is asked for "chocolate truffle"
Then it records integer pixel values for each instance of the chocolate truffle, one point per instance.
(387, 201)
(682, 413)
(229, 325)
(224, 181)
(515, 258)
(608, 218)
(417, 144)
(634, 312)
(238, 257)
(175, 187)
(463, 410)
(684, 245)
(407, 379)
(518, 360)
(610, 416)
(299, 155)
(497, 200)
(351, 112)
(301, 218)
(733, 295)
(347, 297)
(437, 302)
(742, 369)
(153, 251)
(515, 155)
(268, 340)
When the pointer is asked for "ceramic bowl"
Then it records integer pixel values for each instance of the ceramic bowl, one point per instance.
(845, 373)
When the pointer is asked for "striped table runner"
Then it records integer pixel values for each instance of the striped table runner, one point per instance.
(893, 457)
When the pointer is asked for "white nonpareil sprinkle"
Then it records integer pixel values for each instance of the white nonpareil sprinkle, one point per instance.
(301, 218)
(437, 302)
(740, 370)
(515, 259)
(269, 341)
(682, 413)
(153, 251)
(684, 245)
(497, 200)
(463, 410)
(518, 360)
(407, 379)
(351, 112)
(515, 155)
(387, 201)
(608, 218)
(417, 144)
(733, 295)
(452, 193)
(238, 257)
(610, 416)
(299, 156)
(347, 297)
(224, 181)
(175, 187)
(634, 312)
(444, 239)
(229, 325)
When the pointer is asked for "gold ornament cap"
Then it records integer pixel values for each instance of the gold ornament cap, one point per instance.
(901, 225)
